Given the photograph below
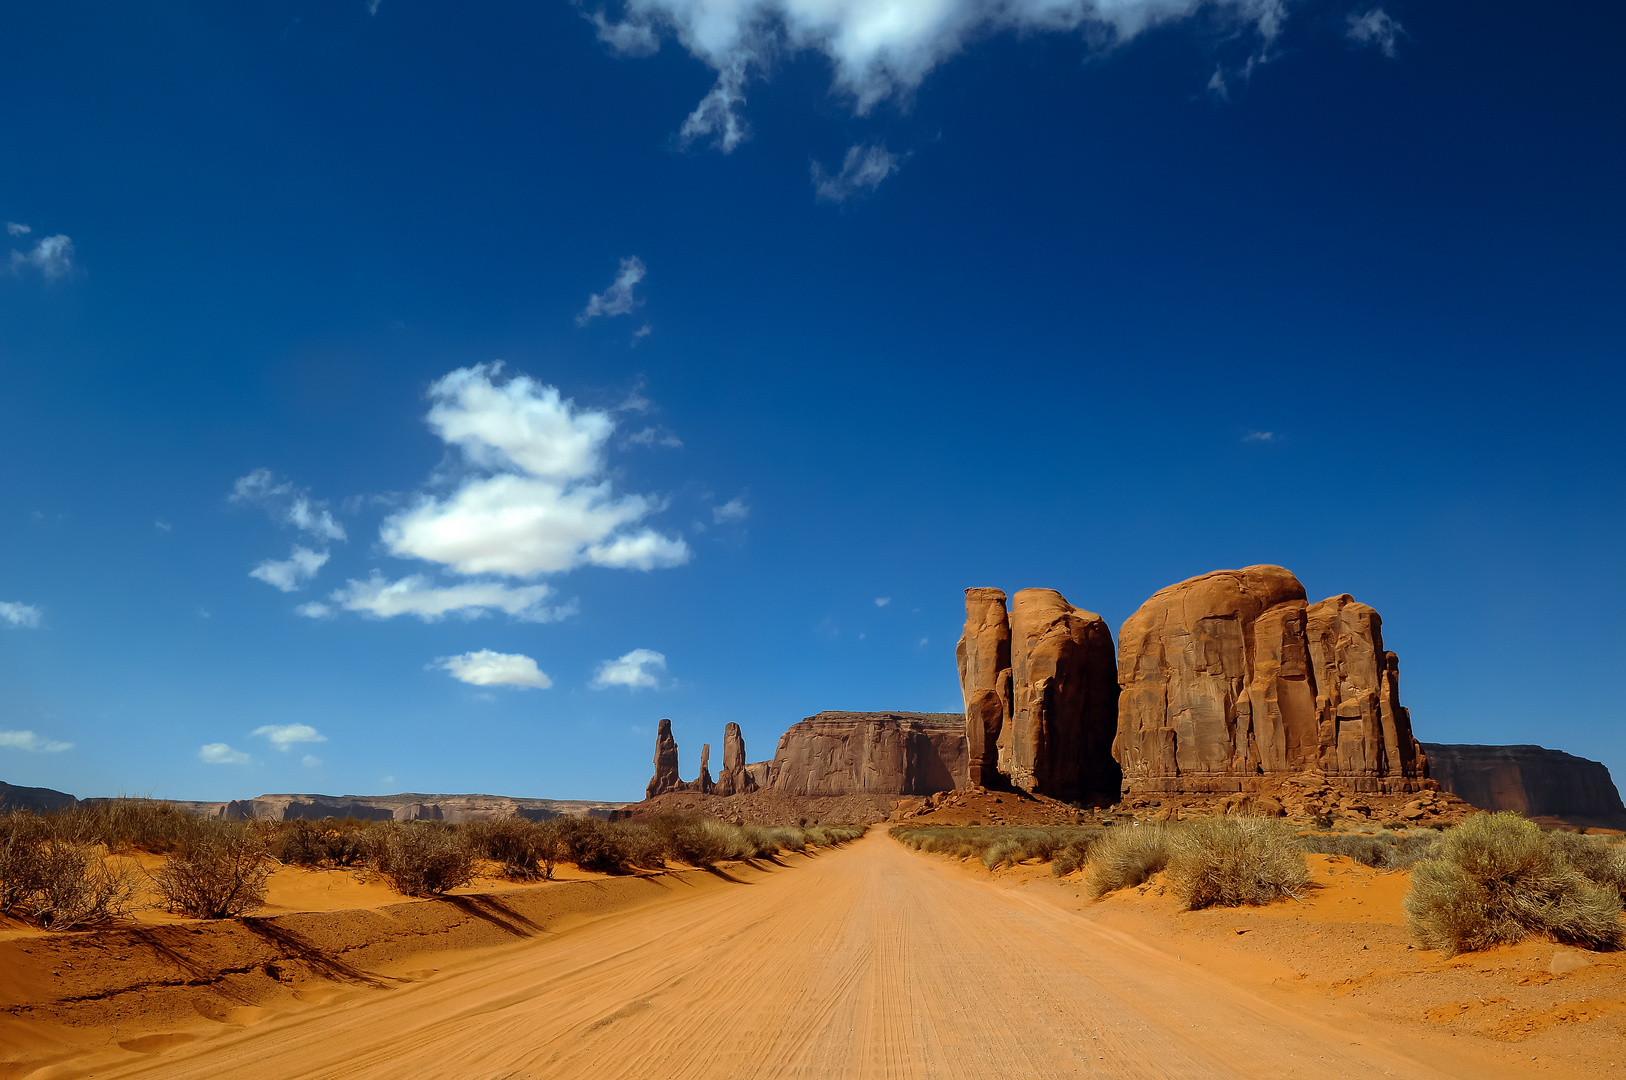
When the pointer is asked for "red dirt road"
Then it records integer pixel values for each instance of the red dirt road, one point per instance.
(866, 962)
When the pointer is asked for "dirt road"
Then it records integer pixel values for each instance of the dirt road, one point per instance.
(866, 962)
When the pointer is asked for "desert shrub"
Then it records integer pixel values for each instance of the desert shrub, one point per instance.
(1496, 880)
(1592, 858)
(692, 839)
(1126, 857)
(22, 843)
(527, 850)
(994, 846)
(1074, 855)
(125, 824)
(1230, 861)
(595, 845)
(420, 858)
(1385, 851)
(217, 875)
(78, 886)
(326, 842)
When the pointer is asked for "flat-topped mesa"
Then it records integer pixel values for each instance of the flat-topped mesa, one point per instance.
(666, 776)
(1064, 694)
(1533, 780)
(736, 778)
(984, 656)
(1231, 678)
(845, 753)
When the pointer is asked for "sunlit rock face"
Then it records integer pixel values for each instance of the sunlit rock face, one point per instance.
(887, 753)
(1232, 678)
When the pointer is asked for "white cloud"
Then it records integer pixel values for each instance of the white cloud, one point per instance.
(27, 740)
(292, 572)
(311, 761)
(878, 48)
(218, 753)
(882, 601)
(732, 510)
(1378, 29)
(52, 256)
(488, 668)
(417, 595)
(18, 614)
(1259, 436)
(286, 504)
(862, 171)
(642, 332)
(635, 669)
(315, 610)
(16, 229)
(284, 736)
(655, 437)
(163, 526)
(548, 507)
(618, 298)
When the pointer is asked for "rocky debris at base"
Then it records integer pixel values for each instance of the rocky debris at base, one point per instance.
(770, 808)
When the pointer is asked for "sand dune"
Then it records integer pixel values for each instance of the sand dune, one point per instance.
(870, 961)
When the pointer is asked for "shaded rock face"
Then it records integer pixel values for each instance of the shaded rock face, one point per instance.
(984, 656)
(736, 777)
(1530, 779)
(843, 753)
(38, 799)
(1064, 694)
(666, 776)
(1232, 677)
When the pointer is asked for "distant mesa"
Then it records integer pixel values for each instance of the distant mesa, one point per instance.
(37, 799)
(1541, 783)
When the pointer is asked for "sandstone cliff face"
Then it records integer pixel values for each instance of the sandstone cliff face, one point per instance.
(1530, 779)
(1064, 692)
(666, 763)
(984, 656)
(736, 778)
(1232, 676)
(842, 753)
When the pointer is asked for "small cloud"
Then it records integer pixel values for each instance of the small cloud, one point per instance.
(417, 595)
(314, 610)
(732, 510)
(27, 740)
(636, 401)
(386, 779)
(1378, 29)
(635, 669)
(1259, 436)
(641, 333)
(20, 615)
(626, 38)
(655, 437)
(372, 6)
(923, 641)
(882, 601)
(283, 736)
(292, 572)
(311, 761)
(203, 613)
(52, 256)
(218, 753)
(618, 298)
(488, 668)
(163, 526)
(862, 171)
(286, 504)
(14, 228)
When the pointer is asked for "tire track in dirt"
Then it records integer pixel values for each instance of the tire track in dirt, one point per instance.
(867, 962)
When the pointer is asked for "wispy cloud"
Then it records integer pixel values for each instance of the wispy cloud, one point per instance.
(637, 668)
(15, 614)
(880, 49)
(14, 228)
(52, 256)
(732, 510)
(285, 736)
(27, 740)
(287, 504)
(652, 436)
(1259, 436)
(882, 601)
(862, 171)
(219, 753)
(418, 595)
(291, 573)
(618, 299)
(1378, 29)
(488, 668)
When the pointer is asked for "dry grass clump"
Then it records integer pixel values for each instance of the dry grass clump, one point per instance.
(1384, 851)
(422, 858)
(527, 850)
(57, 883)
(1599, 860)
(1126, 856)
(124, 824)
(1498, 879)
(996, 846)
(1231, 861)
(217, 875)
(330, 842)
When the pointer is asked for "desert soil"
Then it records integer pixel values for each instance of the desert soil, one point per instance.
(876, 961)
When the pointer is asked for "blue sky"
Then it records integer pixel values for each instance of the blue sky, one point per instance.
(807, 318)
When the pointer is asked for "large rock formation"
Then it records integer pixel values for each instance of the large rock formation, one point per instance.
(736, 778)
(408, 806)
(38, 799)
(844, 753)
(1232, 678)
(666, 776)
(1041, 694)
(984, 656)
(1530, 779)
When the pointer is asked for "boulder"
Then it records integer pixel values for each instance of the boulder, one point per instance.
(890, 753)
(1063, 700)
(1532, 780)
(736, 778)
(1232, 678)
(984, 655)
